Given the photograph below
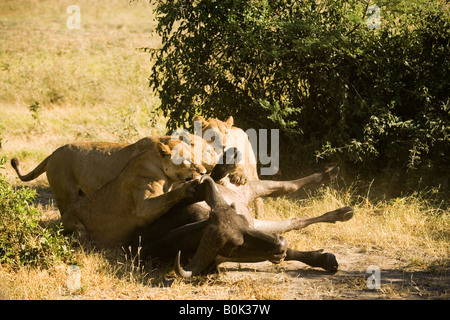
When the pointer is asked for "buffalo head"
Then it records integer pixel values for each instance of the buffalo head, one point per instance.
(228, 235)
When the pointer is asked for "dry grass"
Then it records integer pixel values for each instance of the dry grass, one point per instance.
(42, 60)
(403, 226)
(405, 235)
(91, 86)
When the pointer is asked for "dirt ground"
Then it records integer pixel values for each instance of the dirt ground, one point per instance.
(398, 280)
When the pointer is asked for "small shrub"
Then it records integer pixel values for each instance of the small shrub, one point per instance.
(22, 240)
(34, 108)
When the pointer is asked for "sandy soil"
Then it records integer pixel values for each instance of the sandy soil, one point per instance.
(398, 280)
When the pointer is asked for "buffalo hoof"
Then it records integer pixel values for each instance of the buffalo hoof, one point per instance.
(318, 259)
(343, 214)
(330, 172)
(327, 261)
(330, 262)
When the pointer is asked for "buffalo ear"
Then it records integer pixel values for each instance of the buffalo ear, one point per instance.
(229, 121)
(164, 150)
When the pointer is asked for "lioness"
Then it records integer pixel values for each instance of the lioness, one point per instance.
(137, 196)
(231, 136)
(78, 169)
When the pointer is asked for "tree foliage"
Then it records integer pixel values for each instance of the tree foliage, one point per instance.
(376, 99)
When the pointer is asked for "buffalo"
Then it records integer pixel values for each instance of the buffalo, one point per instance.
(217, 226)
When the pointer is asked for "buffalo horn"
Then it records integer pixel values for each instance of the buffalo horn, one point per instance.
(214, 199)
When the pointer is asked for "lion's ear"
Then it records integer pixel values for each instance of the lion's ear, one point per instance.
(229, 121)
(164, 150)
(199, 118)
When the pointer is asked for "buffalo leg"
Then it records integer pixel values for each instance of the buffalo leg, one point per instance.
(279, 227)
(271, 188)
(316, 258)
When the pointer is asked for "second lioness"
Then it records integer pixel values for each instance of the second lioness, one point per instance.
(231, 136)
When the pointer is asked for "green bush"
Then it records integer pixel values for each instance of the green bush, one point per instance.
(376, 100)
(22, 240)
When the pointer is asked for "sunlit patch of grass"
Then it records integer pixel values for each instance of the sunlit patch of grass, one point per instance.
(404, 226)
(42, 60)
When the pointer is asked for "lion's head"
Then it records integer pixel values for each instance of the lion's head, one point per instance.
(202, 152)
(178, 161)
(209, 156)
(215, 131)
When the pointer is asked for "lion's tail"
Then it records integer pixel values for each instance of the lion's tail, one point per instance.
(40, 169)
